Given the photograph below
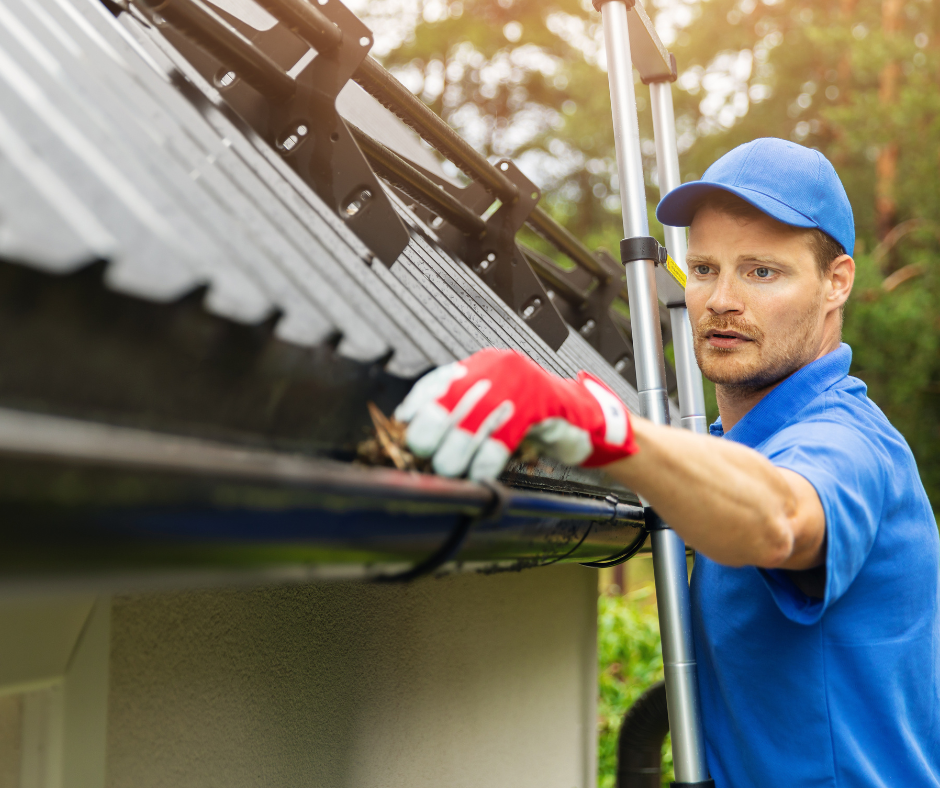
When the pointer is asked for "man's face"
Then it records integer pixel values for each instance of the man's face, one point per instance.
(756, 299)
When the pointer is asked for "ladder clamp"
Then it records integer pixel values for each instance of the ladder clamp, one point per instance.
(646, 247)
(643, 247)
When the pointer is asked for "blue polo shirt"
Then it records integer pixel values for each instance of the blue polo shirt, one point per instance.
(843, 691)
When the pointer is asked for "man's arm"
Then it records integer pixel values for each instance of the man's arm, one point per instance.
(727, 501)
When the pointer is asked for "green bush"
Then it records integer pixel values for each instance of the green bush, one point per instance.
(629, 660)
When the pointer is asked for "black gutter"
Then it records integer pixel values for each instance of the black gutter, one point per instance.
(88, 500)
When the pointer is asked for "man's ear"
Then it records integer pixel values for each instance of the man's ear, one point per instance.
(841, 276)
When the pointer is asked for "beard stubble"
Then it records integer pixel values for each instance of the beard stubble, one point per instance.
(777, 358)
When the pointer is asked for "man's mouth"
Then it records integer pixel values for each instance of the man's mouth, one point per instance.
(726, 339)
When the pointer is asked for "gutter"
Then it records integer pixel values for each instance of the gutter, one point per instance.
(121, 507)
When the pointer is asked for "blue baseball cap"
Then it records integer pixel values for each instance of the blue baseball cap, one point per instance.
(793, 184)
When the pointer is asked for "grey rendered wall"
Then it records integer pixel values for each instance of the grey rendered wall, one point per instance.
(462, 681)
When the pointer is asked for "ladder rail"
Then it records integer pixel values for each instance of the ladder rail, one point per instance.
(669, 562)
(641, 283)
(691, 394)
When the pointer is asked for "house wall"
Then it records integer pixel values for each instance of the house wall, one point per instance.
(463, 681)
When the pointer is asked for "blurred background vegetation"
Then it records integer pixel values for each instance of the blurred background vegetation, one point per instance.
(857, 79)
(629, 660)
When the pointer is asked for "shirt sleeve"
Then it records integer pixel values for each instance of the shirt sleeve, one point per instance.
(848, 471)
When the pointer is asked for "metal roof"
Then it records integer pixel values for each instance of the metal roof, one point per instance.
(165, 268)
(113, 147)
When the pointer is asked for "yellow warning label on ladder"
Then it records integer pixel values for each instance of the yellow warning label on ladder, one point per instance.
(677, 273)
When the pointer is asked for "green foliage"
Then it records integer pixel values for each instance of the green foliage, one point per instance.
(629, 661)
(815, 75)
(895, 337)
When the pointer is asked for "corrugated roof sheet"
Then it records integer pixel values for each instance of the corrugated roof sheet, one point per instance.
(112, 147)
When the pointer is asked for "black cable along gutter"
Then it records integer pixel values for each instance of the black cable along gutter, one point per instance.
(456, 539)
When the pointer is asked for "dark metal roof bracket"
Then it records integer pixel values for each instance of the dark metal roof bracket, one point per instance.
(588, 313)
(296, 115)
(592, 317)
(494, 254)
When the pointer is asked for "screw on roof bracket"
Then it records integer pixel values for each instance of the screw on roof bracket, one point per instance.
(283, 82)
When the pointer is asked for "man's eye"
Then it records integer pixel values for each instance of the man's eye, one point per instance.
(702, 270)
(762, 273)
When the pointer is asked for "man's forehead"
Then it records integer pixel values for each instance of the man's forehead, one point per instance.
(755, 219)
(713, 230)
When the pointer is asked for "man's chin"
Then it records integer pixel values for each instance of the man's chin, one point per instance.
(732, 373)
(734, 369)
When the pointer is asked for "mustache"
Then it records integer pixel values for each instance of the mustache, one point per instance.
(722, 323)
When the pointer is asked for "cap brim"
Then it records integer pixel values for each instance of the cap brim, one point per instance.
(678, 208)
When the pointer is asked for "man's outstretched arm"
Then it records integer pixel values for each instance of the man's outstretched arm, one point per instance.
(726, 500)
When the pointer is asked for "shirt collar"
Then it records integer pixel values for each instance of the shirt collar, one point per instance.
(788, 399)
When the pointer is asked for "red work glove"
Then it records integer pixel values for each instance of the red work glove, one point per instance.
(471, 415)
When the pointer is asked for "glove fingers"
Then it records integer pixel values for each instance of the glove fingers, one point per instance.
(433, 422)
(489, 461)
(428, 389)
(457, 450)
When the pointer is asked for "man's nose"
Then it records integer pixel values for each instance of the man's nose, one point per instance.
(724, 298)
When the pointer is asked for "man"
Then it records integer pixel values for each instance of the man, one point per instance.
(815, 590)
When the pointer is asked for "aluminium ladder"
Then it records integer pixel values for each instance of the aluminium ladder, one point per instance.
(630, 41)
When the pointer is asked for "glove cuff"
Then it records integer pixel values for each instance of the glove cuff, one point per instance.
(612, 438)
